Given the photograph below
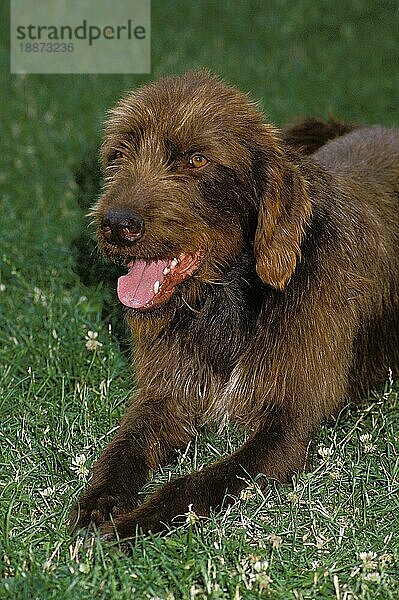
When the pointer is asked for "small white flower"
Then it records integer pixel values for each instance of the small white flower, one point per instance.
(84, 568)
(48, 491)
(2, 287)
(374, 576)
(79, 460)
(260, 565)
(79, 466)
(369, 560)
(275, 540)
(92, 342)
(38, 296)
(325, 453)
(292, 497)
(247, 493)
(366, 440)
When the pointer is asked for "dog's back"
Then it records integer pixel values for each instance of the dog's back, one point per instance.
(371, 153)
(365, 166)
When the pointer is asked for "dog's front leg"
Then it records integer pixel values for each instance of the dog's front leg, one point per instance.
(147, 438)
(278, 451)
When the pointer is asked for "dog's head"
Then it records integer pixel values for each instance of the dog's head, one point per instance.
(193, 176)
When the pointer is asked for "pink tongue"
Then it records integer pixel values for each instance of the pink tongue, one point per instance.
(136, 289)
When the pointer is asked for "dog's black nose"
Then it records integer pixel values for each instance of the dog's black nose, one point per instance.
(122, 227)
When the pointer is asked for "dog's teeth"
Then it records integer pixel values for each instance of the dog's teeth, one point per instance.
(166, 271)
(174, 262)
(156, 287)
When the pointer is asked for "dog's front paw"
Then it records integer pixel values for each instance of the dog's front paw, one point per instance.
(168, 506)
(134, 522)
(99, 506)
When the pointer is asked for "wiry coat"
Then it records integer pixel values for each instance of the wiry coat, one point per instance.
(294, 306)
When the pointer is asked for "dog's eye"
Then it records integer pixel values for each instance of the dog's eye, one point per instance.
(197, 161)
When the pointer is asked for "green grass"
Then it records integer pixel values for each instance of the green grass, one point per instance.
(59, 400)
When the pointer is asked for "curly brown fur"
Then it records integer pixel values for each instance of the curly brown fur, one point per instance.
(283, 302)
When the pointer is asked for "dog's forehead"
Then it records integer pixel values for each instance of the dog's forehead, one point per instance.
(185, 107)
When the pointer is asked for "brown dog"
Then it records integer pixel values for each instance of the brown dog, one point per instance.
(262, 286)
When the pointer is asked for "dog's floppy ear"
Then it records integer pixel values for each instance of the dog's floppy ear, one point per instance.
(284, 213)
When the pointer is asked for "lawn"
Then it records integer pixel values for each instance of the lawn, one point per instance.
(333, 532)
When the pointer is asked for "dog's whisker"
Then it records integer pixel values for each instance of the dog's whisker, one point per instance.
(193, 310)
